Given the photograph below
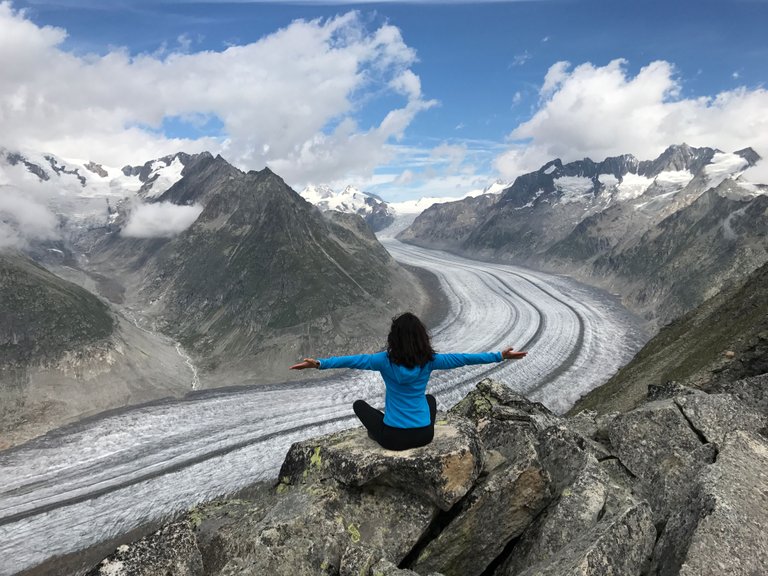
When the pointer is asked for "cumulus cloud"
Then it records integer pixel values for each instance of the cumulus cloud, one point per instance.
(290, 100)
(599, 111)
(160, 220)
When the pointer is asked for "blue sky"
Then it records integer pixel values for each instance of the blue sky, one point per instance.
(464, 79)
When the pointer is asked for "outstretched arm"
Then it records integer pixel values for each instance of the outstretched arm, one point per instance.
(358, 361)
(449, 361)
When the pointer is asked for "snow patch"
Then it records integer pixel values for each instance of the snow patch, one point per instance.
(167, 176)
(632, 186)
(674, 179)
(608, 180)
(550, 169)
(573, 188)
(724, 166)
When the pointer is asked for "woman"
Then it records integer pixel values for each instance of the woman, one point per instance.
(408, 420)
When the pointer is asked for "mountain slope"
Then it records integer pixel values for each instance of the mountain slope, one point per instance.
(260, 278)
(665, 234)
(64, 354)
(723, 340)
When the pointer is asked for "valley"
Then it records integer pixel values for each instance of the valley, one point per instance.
(100, 478)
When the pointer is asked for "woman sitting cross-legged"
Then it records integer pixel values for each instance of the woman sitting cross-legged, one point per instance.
(408, 419)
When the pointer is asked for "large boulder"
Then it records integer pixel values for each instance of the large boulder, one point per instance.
(442, 472)
(594, 528)
(620, 544)
(714, 415)
(499, 508)
(724, 527)
(658, 445)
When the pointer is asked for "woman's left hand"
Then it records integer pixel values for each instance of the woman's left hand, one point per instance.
(308, 363)
(510, 354)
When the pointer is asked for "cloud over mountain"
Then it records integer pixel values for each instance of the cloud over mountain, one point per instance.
(600, 111)
(162, 219)
(288, 100)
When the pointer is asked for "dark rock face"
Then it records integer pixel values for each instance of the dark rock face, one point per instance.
(523, 493)
(227, 286)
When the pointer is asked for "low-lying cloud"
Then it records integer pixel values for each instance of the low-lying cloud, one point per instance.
(25, 213)
(160, 220)
(600, 111)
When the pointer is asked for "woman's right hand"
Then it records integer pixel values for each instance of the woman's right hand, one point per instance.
(308, 363)
(510, 354)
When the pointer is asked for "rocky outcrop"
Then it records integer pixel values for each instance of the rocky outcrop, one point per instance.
(677, 486)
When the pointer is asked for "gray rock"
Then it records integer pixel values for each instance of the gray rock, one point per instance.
(498, 509)
(442, 472)
(751, 391)
(491, 399)
(620, 544)
(311, 526)
(577, 510)
(724, 528)
(358, 561)
(170, 550)
(714, 415)
(656, 443)
(385, 568)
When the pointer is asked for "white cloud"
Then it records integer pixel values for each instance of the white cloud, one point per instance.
(276, 98)
(160, 220)
(25, 215)
(600, 111)
(23, 219)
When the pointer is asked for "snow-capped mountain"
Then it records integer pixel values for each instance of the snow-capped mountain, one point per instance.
(419, 205)
(351, 201)
(88, 179)
(650, 229)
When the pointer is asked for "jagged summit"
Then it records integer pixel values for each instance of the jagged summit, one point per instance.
(639, 227)
(375, 211)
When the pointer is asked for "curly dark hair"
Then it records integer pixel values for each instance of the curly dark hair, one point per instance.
(408, 342)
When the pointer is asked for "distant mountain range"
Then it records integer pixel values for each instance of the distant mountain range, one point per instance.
(373, 209)
(665, 233)
(188, 251)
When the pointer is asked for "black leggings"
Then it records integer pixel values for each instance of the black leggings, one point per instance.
(395, 438)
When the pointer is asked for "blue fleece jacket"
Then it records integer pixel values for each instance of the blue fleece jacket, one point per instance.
(405, 404)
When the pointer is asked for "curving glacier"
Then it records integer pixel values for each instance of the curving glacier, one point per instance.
(100, 478)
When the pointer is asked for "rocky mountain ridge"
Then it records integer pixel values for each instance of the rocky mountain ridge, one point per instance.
(507, 488)
(213, 298)
(657, 232)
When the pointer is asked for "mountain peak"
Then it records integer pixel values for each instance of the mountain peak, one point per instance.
(749, 155)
